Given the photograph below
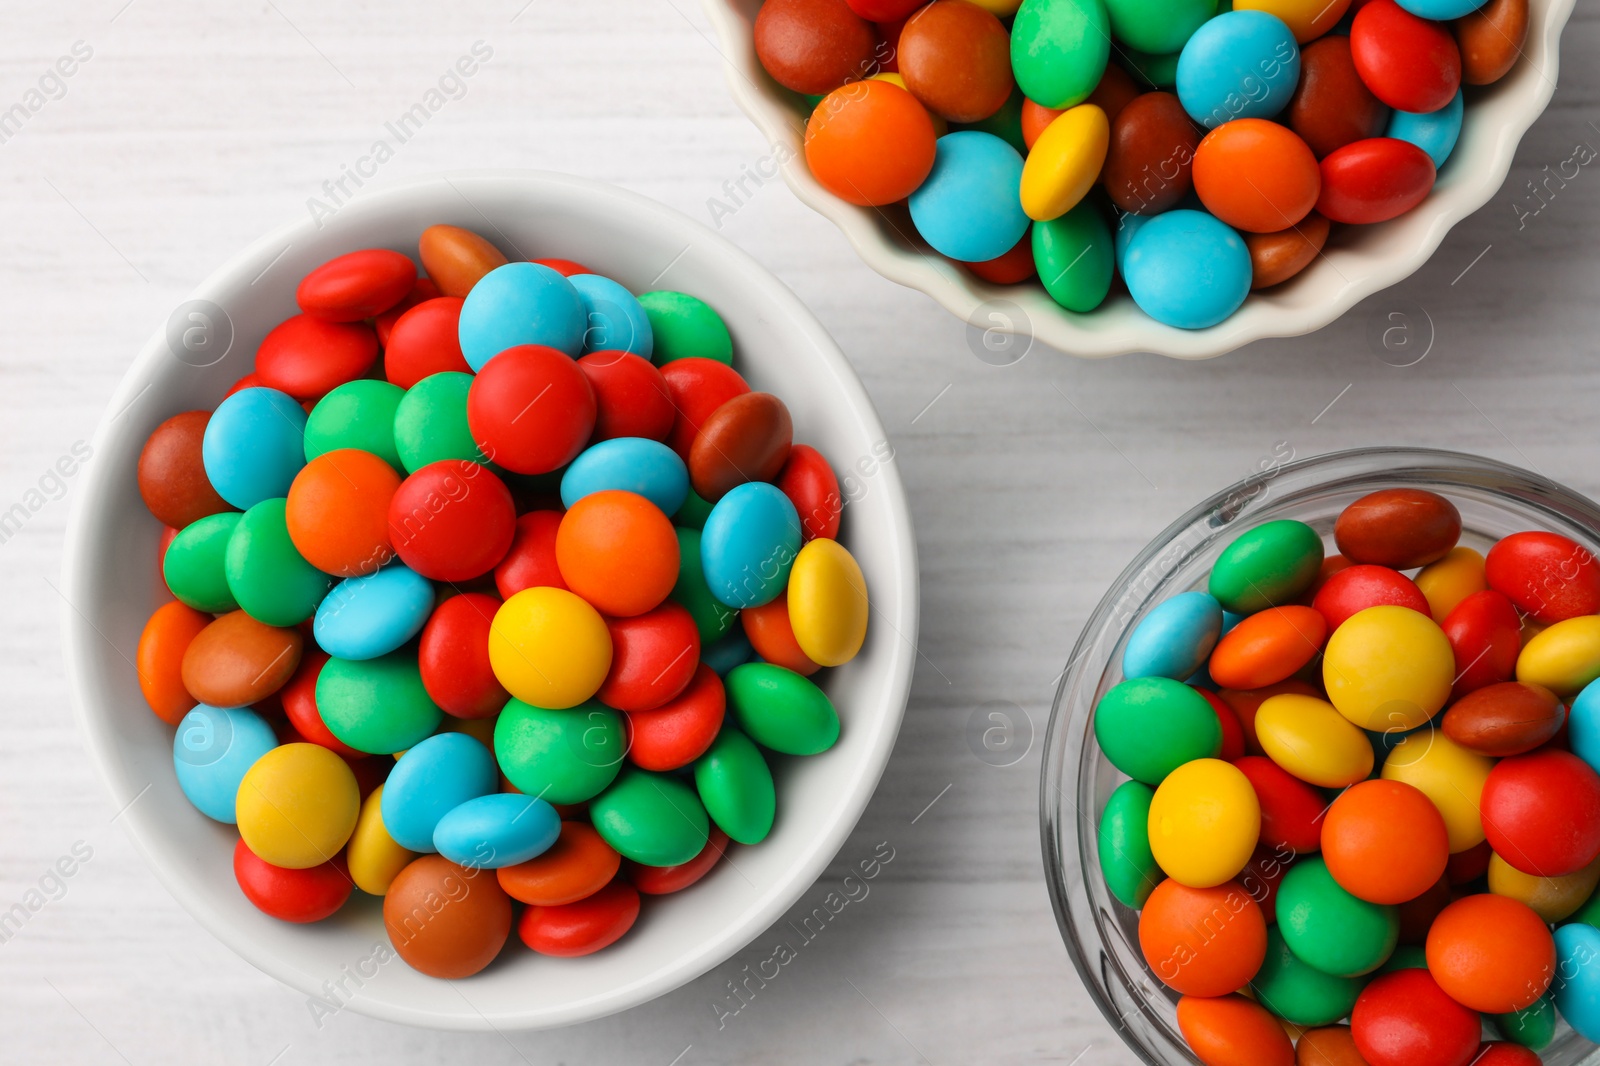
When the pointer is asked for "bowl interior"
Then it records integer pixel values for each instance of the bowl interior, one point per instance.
(1358, 261)
(112, 583)
(1102, 934)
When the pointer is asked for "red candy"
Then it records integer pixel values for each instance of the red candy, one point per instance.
(1541, 812)
(452, 520)
(584, 927)
(565, 267)
(679, 732)
(1233, 746)
(813, 46)
(356, 286)
(531, 560)
(1409, 63)
(1547, 575)
(653, 658)
(307, 357)
(631, 397)
(1486, 635)
(308, 895)
(1355, 588)
(1405, 1019)
(453, 656)
(424, 341)
(1374, 180)
(1500, 1053)
(531, 409)
(424, 289)
(697, 387)
(810, 484)
(1291, 810)
(662, 880)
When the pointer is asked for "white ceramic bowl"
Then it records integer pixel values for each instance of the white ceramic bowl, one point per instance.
(111, 582)
(1359, 260)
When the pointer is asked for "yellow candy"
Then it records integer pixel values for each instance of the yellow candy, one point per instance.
(1449, 775)
(1388, 668)
(1064, 162)
(1307, 19)
(1204, 822)
(1310, 739)
(1552, 898)
(297, 805)
(828, 602)
(1001, 8)
(549, 648)
(1562, 657)
(1450, 580)
(375, 859)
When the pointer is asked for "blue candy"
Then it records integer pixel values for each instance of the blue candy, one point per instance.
(254, 445)
(211, 752)
(634, 464)
(615, 319)
(731, 649)
(501, 829)
(1440, 10)
(1434, 132)
(1583, 725)
(520, 303)
(1187, 269)
(748, 545)
(970, 206)
(1128, 224)
(1175, 639)
(365, 617)
(1240, 64)
(429, 781)
(1577, 980)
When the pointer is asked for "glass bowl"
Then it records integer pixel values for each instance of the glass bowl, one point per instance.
(1101, 934)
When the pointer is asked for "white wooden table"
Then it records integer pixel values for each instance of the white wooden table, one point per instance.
(192, 128)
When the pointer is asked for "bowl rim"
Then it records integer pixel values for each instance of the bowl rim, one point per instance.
(1059, 834)
(81, 637)
(996, 307)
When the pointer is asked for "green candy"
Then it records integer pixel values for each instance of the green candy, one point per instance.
(1160, 26)
(430, 422)
(1005, 123)
(1329, 928)
(357, 414)
(654, 819)
(1059, 50)
(1156, 69)
(1266, 566)
(267, 575)
(195, 563)
(693, 513)
(1126, 861)
(711, 616)
(1406, 957)
(1298, 992)
(1075, 254)
(1533, 1027)
(562, 756)
(377, 705)
(684, 327)
(736, 787)
(1150, 726)
(781, 710)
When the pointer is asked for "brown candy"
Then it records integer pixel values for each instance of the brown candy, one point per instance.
(956, 58)
(1490, 40)
(746, 439)
(1332, 1046)
(1148, 163)
(1331, 106)
(456, 258)
(236, 661)
(1417, 914)
(1116, 90)
(1398, 528)
(813, 46)
(172, 476)
(446, 920)
(1277, 257)
(1504, 719)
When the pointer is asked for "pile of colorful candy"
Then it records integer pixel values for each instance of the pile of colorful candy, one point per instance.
(1258, 124)
(1364, 787)
(531, 536)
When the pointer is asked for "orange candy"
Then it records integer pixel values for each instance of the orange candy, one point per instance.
(618, 551)
(1385, 842)
(1256, 175)
(1332, 1046)
(772, 636)
(1268, 647)
(338, 512)
(159, 659)
(1203, 941)
(1491, 953)
(576, 866)
(870, 143)
(1233, 1031)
